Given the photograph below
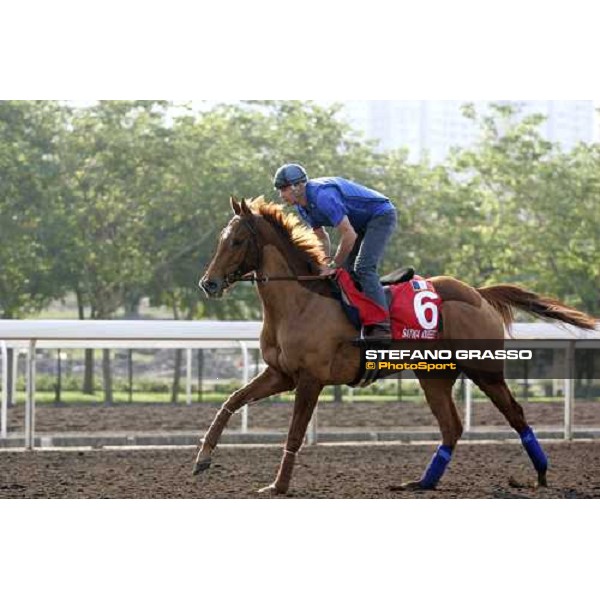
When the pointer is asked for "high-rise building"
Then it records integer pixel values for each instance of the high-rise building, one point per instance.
(432, 127)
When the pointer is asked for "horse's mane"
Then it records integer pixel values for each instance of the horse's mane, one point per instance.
(288, 224)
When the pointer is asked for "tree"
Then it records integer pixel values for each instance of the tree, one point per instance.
(540, 205)
(110, 160)
(562, 226)
(28, 197)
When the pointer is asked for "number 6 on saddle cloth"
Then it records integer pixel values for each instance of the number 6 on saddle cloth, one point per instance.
(413, 303)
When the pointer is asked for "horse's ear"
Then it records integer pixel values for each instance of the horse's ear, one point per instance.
(235, 206)
(245, 208)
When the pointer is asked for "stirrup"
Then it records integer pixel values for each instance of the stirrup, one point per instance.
(376, 335)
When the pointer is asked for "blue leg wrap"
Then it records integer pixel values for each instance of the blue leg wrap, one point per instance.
(536, 454)
(436, 467)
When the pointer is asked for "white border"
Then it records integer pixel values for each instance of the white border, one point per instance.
(347, 549)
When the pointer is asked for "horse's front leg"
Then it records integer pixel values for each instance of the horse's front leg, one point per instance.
(307, 394)
(265, 384)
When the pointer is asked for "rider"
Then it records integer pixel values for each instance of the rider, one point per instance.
(364, 218)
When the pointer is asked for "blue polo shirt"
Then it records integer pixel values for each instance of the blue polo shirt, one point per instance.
(329, 199)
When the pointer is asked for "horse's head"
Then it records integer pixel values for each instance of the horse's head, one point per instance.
(237, 252)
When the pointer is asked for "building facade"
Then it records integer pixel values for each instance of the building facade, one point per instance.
(432, 127)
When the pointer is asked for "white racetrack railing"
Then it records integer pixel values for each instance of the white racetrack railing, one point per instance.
(189, 335)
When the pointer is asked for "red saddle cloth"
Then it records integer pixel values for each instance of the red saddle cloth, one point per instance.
(414, 307)
(415, 310)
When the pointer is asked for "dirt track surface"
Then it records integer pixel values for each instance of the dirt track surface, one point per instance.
(325, 471)
(358, 471)
(270, 415)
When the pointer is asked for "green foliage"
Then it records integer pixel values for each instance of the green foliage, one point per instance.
(111, 159)
(29, 193)
(125, 199)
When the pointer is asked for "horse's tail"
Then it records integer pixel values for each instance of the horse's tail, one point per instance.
(506, 297)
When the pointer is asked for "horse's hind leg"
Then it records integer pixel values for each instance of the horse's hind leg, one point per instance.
(438, 393)
(494, 386)
(265, 384)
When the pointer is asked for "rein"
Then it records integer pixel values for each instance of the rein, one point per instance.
(255, 278)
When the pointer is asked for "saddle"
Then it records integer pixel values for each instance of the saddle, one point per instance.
(348, 297)
(414, 306)
(398, 276)
(414, 312)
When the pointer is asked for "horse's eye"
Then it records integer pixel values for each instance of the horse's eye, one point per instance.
(237, 242)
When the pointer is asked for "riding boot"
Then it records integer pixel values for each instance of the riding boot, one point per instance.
(379, 332)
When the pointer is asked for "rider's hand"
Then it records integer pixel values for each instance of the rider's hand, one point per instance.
(327, 271)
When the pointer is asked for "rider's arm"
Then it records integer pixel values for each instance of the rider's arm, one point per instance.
(347, 239)
(323, 236)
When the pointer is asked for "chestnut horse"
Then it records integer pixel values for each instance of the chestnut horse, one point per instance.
(306, 339)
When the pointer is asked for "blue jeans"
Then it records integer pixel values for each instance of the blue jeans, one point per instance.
(367, 254)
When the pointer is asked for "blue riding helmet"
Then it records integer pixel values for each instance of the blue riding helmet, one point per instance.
(289, 175)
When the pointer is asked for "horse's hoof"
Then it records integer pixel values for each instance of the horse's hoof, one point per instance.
(202, 465)
(408, 486)
(522, 485)
(271, 490)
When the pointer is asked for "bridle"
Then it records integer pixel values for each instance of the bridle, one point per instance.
(245, 273)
